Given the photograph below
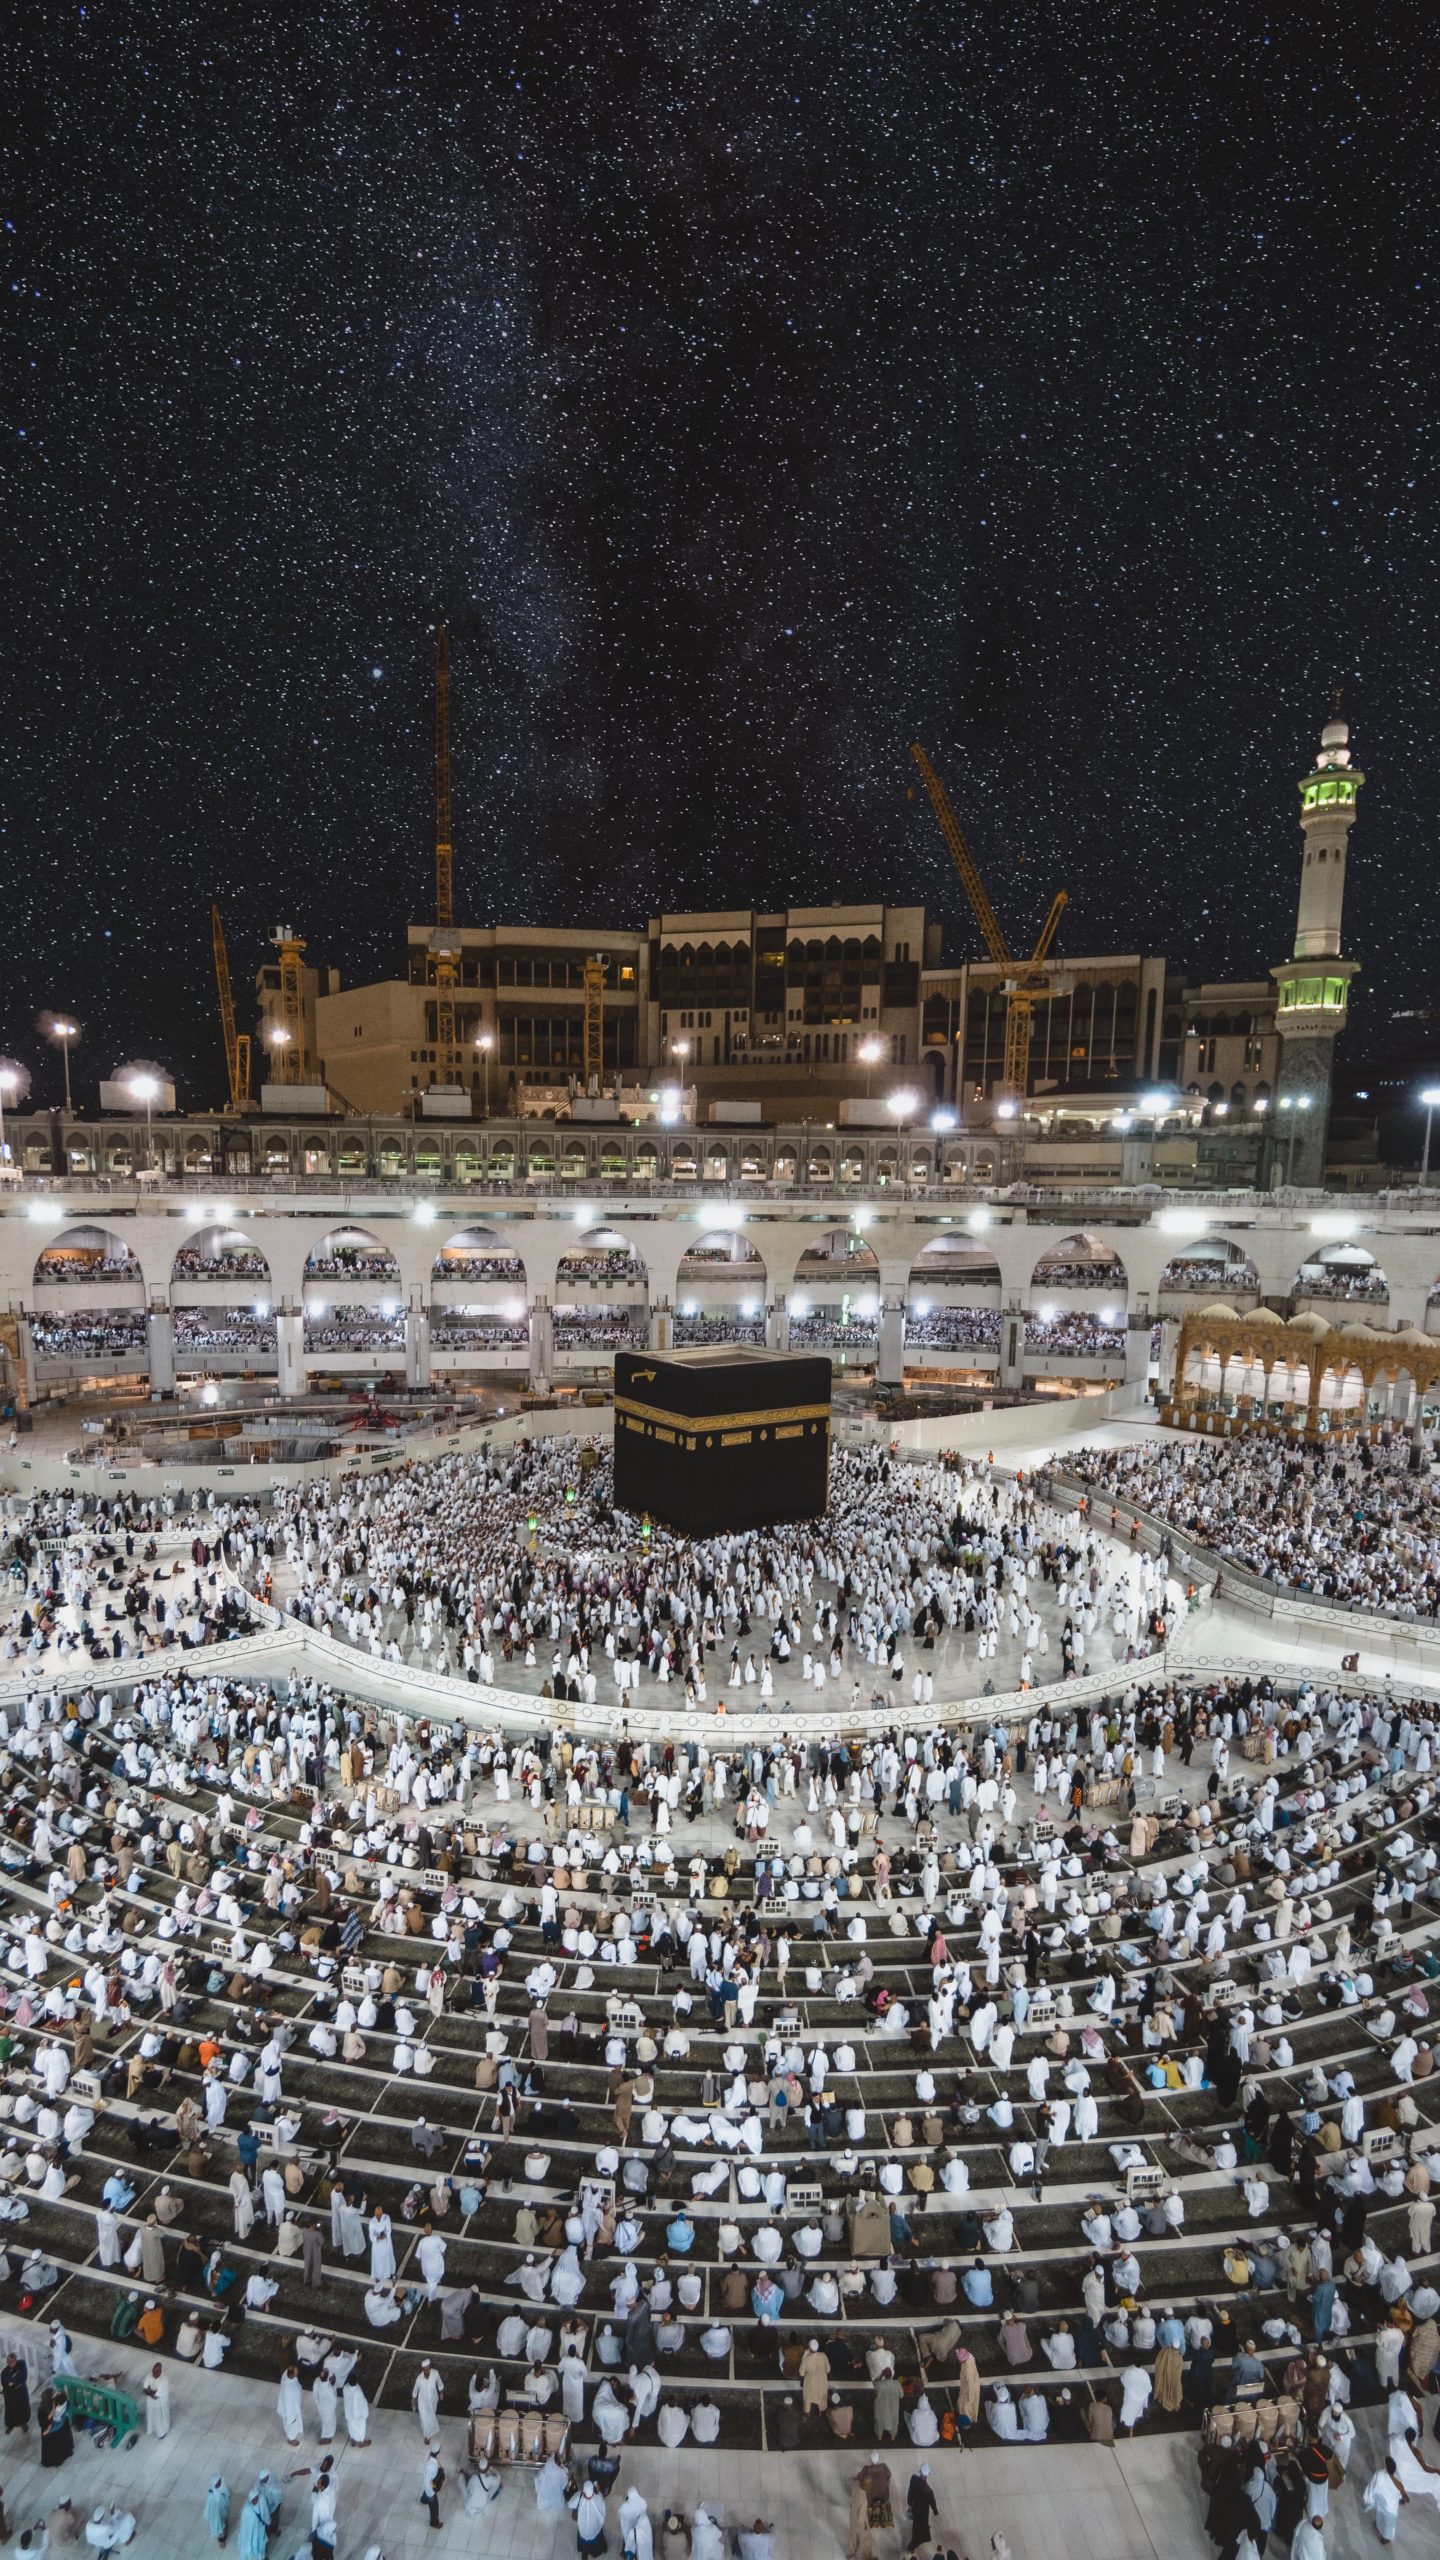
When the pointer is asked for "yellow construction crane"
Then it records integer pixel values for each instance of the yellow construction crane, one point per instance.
(290, 1051)
(1030, 982)
(237, 1044)
(445, 954)
(444, 852)
(595, 1022)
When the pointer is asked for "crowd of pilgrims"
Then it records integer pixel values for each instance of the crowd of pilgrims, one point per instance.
(440, 1564)
(107, 1593)
(692, 1330)
(89, 1334)
(920, 1840)
(1083, 1335)
(222, 1329)
(1330, 1280)
(356, 1328)
(601, 1328)
(1207, 1271)
(954, 1328)
(826, 1329)
(493, 1333)
(1345, 1520)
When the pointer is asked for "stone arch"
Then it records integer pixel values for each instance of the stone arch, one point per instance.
(222, 1253)
(1348, 1272)
(837, 1255)
(1080, 1261)
(722, 1248)
(600, 1292)
(94, 1254)
(480, 1254)
(957, 1258)
(349, 1252)
(731, 1312)
(966, 1319)
(602, 1254)
(1213, 1263)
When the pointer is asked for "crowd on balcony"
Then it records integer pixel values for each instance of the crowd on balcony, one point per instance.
(98, 1333)
(822, 1330)
(954, 1329)
(467, 1262)
(1080, 1337)
(232, 1262)
(221, 1329)
(692, 1331)
(72, 1264)
(344, 1328)
(600, 1265)
(496, 1333)
(1337, 1280)
(1207, 1273)
(601, 1328)
(352, 1262)
(1107, 1275)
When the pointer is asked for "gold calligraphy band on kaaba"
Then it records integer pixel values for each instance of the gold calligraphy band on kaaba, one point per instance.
(722, 1421)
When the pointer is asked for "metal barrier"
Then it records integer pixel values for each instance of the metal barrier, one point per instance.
(101, 2404)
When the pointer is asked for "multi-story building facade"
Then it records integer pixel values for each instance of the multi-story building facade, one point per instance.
(810, 1015)
(802, 1012)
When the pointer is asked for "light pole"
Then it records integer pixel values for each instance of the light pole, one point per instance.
(145, 1089)
(870, 1053)
(485, 1042)
(65, 1032)
(1430, 1097)
(902, 1107)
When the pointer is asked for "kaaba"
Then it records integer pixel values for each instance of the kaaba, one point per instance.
(722, 1438)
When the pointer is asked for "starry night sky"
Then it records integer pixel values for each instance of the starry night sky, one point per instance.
(753, 388)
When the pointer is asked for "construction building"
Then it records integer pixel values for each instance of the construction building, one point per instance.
(801, 1011)
(834, 1015)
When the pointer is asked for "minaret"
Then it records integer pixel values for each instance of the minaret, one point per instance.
(1313, 988)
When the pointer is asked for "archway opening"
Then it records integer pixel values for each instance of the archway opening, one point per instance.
(720, 1292)
(1211, 1266)
(1344, 1271)
(952, 1299)
(481, 1256)
(94, 1257)
(351, 1253)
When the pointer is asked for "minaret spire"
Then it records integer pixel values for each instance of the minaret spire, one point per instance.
(1313, 986)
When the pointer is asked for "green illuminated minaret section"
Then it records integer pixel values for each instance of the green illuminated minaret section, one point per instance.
(1312, 988)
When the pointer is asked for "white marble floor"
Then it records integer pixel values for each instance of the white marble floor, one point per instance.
(1140, 2501)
